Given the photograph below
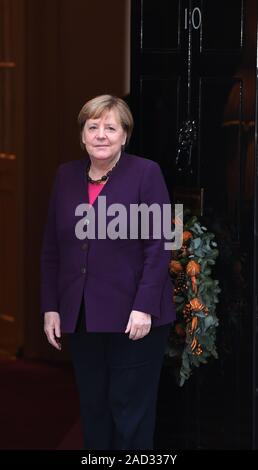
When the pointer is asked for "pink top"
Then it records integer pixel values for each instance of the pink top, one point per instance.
(94, 190)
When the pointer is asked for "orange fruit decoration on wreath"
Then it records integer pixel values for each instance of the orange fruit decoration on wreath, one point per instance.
(196, 304)
(186, 236)
(193, 269)
(175, 267)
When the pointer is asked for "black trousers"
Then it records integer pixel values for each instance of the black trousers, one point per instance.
(117, 379)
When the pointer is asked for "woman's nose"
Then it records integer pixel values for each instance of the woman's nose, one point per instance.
(101, 133)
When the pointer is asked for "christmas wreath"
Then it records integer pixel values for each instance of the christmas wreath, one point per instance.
(193, 336)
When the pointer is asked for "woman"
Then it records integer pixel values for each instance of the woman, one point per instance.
(112, 295)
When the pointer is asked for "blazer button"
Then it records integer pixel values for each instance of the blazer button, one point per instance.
(83, 270)
(84, 246)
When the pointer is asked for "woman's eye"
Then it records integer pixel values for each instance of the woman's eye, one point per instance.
(111, 128)
(92, 127)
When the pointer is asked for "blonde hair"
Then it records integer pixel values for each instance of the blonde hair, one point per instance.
(97, 106)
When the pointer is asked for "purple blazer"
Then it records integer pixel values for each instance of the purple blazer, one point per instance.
(113, 276)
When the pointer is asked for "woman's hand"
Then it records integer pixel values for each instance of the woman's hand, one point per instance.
(52, 328)
(139, 324)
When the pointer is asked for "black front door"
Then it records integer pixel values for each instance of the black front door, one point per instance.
(193, 95)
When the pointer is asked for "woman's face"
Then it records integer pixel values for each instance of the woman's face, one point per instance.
(104, 137)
